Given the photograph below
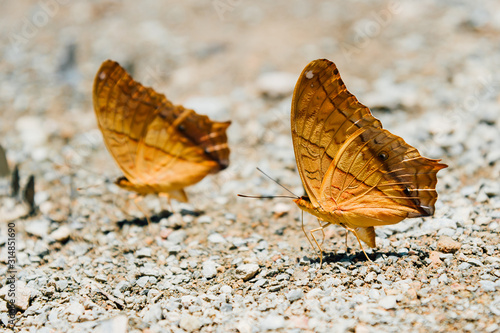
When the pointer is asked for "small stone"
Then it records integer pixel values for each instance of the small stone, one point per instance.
(59, 263)
(260, 283)
(294, 295)
(143, 253)
(276, 84)
(154, 314)
(443, 279)
(370, 277)
(190, 323)
(117, 324)
(447, 245)
(247, 271)
(475, 262)
(213, 106)
(336, 282)
(61, 234)
(492, 328)
(61, 285)
(487, 285)
(272, 322)
(33, 131)
(142, 281)
(358, 282)
(177, 236)
(209, 269)
(388, 302)
(374, 294)
(174, 249)
(23, 294)
(101, 278)
(205, 219)
(38, 227)
(76, 309)
(165, 232)
(495, 306)
(216, 238)
(225, 289)
(281, 209)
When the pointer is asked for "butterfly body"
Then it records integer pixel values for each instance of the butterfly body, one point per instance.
(160, 147)
(355, 173)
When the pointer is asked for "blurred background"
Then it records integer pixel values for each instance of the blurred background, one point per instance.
(428, 70)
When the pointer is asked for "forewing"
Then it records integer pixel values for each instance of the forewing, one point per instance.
(153, 141)
(123, 108)
(324, 115)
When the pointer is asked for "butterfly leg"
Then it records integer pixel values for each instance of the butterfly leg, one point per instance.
(322, 227)
(136, 201)
(317, 244)
(359, 241)
(304, 231)
(346, 245)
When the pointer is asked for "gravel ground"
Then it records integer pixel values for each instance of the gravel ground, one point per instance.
(88, 262)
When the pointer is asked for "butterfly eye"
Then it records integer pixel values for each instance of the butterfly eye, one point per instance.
(407, 191)
(383, 156)
(181, 128)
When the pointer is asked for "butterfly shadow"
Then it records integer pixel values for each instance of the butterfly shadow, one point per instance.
(359, 256)
(156, 218)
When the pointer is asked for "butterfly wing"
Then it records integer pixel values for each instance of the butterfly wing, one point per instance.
(350, 164)
(323, 115)
(158, 146)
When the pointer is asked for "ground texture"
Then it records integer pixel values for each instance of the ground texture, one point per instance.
(88, 262)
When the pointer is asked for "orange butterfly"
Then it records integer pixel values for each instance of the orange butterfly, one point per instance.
(355, 173)
(160, 147)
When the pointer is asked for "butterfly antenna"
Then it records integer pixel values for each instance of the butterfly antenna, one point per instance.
(274, 180)
(87, 187)
(265, 196)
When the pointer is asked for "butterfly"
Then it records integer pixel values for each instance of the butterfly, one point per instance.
(161, 148)
(355, 173)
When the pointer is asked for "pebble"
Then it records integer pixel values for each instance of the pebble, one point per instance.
(475, 262)
(487, 285)
(142, 281)
(216, 238)
(190, 323)
(59, 263)
(388, 302)
(216, 108)
(38, 227)
(76, 309)
(272, 322)
(118, 324)
(448, 245)
(276, 84)
(209, 269)
(177, 236)
(154, 314)
(205, 219)
(281, 209)
(23, 294)
(61, 285)
(225, 289)
(144, 252)
(443, 278)
(32, 130)
(294, 295)
(247, 271)
(61, 234)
